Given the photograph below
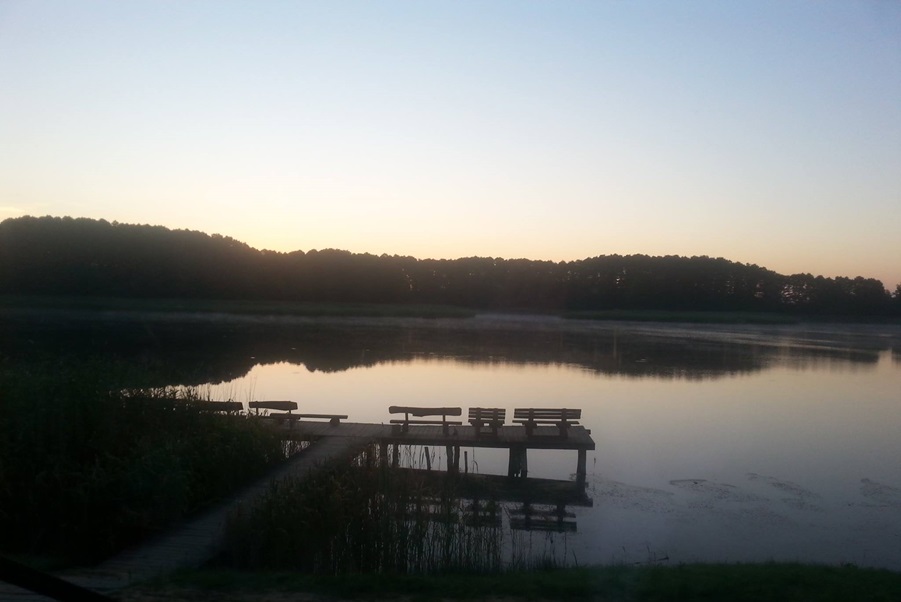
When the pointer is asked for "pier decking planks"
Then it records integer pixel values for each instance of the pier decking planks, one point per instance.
(513, 438)
(543, 437)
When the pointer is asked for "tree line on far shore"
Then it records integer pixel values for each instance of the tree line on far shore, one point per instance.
(67, 256)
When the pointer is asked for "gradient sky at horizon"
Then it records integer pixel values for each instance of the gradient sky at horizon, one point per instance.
(765, 132)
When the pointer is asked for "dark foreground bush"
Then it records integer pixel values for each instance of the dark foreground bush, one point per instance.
(86, 469)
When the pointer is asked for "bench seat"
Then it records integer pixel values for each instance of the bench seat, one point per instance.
(334, 419)
(216, 406)
(288, 413)
(272, 405)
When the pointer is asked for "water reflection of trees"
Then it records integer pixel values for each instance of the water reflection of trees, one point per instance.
(172, 352)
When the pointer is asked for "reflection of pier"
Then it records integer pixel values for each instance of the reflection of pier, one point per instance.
(531, 504)
(537, 504)
(513, 438)
(503, 489)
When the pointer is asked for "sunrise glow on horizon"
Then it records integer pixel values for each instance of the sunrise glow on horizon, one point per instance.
(762, 132)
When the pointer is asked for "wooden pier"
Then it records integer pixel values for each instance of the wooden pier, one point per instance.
(513, 438)
(196, 541)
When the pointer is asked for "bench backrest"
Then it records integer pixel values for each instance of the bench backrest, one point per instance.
(488, 414)
(547, 414)
(419, 411)
(216, 406)
(273, 405)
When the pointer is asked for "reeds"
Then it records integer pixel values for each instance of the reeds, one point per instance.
(353, 519)
(370, 518)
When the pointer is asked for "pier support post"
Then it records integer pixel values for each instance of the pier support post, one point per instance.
(580, 468)
(519, 462)
(383, 454)
(395, 459)
(453, 458)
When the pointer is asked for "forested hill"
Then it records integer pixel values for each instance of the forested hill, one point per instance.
(65, 256)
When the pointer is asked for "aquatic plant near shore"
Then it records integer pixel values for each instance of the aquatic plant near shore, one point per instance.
(370, 518)
(362, 519)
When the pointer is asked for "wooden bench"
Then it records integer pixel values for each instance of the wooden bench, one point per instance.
(204, 405)
(285, 406)
(216, 406)
(419, 412)
(288, 408)
(490, 417)
(563, 418)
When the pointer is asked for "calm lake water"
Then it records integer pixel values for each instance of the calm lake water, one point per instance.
(726, 443)
(713, 444)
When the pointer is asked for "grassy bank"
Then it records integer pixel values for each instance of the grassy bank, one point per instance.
(738, 582)
(238, 307)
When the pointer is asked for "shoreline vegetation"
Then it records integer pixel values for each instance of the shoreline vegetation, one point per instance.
(71, 258)
(88, 305)
(230, 307)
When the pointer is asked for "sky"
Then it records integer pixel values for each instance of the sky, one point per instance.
(765, 132)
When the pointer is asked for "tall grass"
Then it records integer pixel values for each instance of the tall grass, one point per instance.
(355, 519)
(369, 518)
(87, 469)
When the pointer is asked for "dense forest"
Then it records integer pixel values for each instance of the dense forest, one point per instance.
(66, 256)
